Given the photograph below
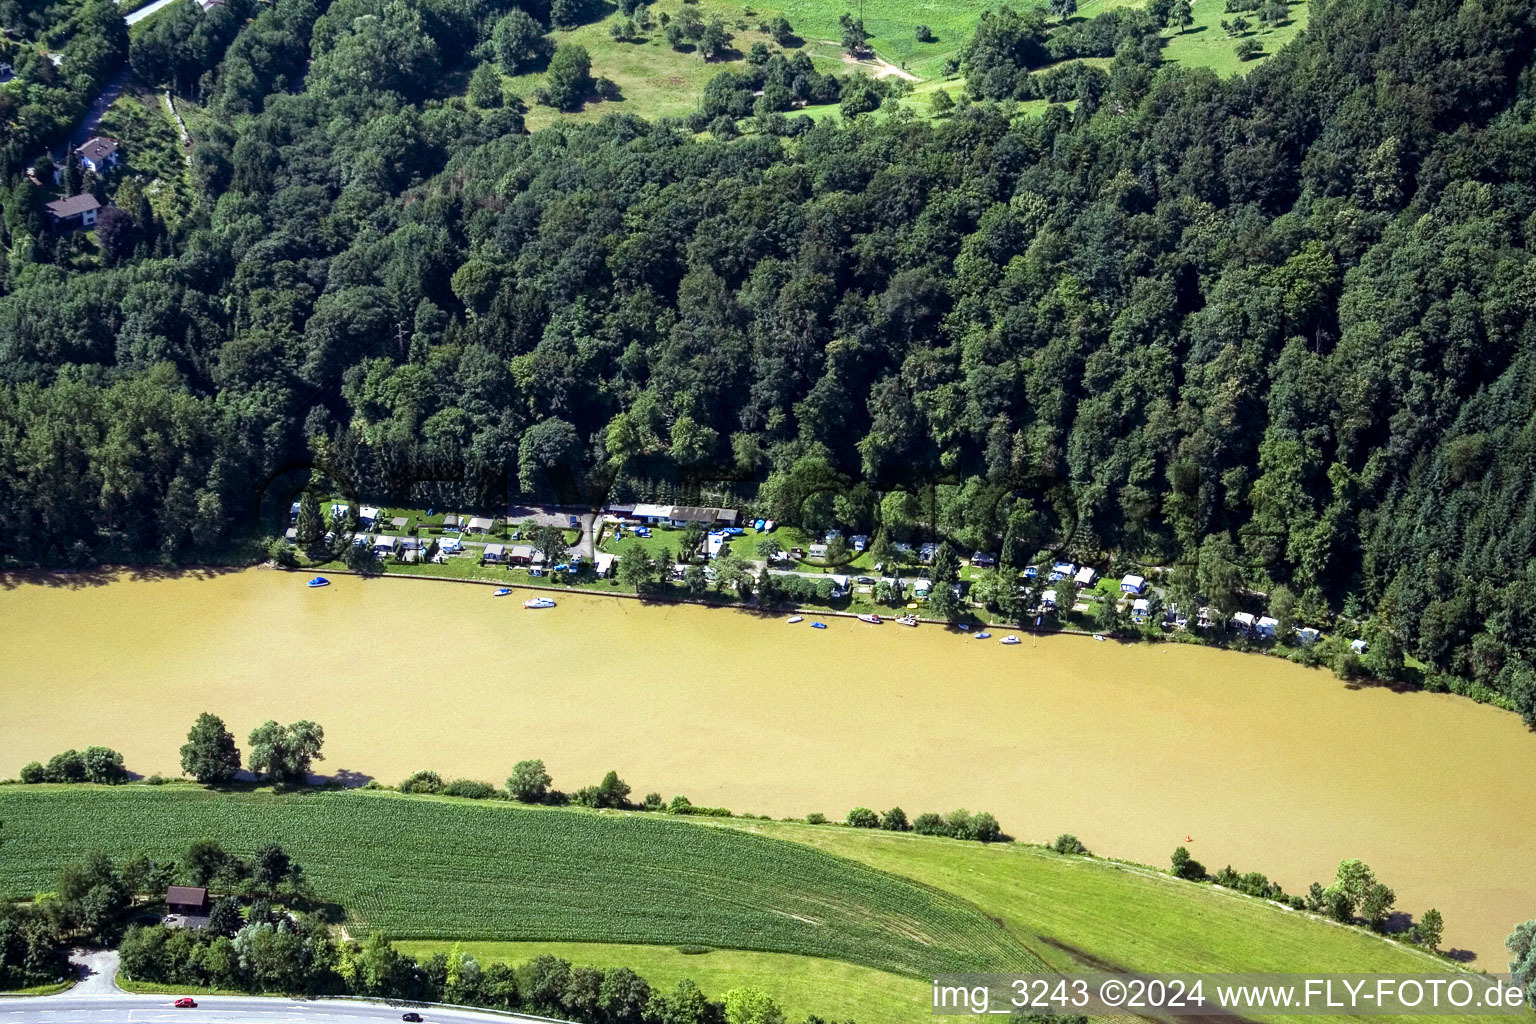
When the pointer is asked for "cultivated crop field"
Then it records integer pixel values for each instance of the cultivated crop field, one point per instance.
(438, 868)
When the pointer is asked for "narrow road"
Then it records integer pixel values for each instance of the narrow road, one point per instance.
(145, 11)
(122, 1008)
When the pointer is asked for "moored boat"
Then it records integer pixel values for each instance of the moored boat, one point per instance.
(796, 618)
(871, 617)
(318, 581)
(539, 602)
(502, 592)
(818, 625)
(1010, 639)
(981, 636)
(1099, 638)
(908, 620)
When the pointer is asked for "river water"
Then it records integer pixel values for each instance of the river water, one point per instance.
(1266, 765)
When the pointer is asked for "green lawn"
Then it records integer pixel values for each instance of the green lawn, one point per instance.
(802, 985)
(1204, 44)
(1088, 914)
(442, 868)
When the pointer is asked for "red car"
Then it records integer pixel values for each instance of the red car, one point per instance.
(186, 1003)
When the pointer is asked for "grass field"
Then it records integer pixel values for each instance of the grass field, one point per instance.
(1204, 44)
(801, 984)
(438, 868)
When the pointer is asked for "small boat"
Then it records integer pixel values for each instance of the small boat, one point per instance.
(872, 618)
(908, 620)
(981, 636)
(796, 618)
(539, 602)
(503, 592)
(818, 625)
(1099, 638)
(318, 581)
(1010, 640)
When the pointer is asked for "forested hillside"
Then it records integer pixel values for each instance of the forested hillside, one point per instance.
(1277, 327)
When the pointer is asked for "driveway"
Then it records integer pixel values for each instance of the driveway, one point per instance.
(97, 970)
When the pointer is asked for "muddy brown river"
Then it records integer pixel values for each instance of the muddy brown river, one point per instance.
(1266, 765)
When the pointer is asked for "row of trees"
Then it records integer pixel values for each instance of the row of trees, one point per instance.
(1354, 896)
(281, 753)
(297, 955)
(94, 764)
(959, 824)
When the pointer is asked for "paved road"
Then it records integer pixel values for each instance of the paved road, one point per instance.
(145, 11)
(97, 971)
(123, 1008)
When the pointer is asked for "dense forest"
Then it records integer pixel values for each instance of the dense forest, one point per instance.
(1273, 329)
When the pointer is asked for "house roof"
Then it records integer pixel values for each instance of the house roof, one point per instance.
(98, 149)
(74, 206)
(186, 895)
(479, 523)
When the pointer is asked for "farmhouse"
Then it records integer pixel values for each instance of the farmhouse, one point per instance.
(98, 154)
(186, 899)
(186, 906)
(75, 212)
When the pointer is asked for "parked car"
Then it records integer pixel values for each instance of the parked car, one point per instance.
(411, 1018)
(186, 1003)
(866, 580)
